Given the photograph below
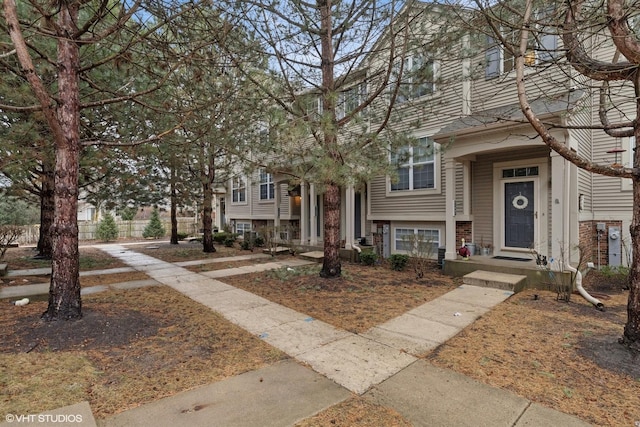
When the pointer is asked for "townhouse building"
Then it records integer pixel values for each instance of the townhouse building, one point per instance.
(477, 170)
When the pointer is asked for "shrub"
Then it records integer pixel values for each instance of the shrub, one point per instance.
(182, 236)
(259, 241)
(107, 229)
(398, 261)
(154, 228)
(368, 257)
(229, 241)
(245, 245)
(222, 237)
(8, 235)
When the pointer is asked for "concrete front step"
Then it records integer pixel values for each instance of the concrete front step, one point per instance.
(316, 256)
(492, 279)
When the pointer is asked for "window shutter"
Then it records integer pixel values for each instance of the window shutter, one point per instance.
(492, 58)
(548, 47)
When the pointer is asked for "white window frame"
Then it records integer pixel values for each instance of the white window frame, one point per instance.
(410, 88)
(400, 244)
(242, 227)
(350, 99)
(238, 191)
(410, 164)
(266, 182)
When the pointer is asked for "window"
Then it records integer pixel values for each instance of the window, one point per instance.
(241, 227)
(417, 240)
(416, 166)
(418, 78)
(238, 190)
(266, 186)
(542, 46)
(351, 99)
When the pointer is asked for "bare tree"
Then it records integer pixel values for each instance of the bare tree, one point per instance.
(587, 30)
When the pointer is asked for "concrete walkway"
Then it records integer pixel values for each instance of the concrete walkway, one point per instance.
(381, 364)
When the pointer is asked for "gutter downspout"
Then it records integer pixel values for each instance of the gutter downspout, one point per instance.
(596, 302)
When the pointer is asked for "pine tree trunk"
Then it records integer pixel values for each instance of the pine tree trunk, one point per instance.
(207, 228)
(64, 291)
(174, 215)
(331, 266)
(47, 204)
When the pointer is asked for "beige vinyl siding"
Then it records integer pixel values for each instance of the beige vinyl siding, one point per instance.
(482, 198)
(459, 189)
(482, 188)
(582, 139)
(260, 209)
(408, 206)
(285, 201)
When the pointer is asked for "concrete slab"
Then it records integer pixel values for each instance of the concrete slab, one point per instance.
(495, 279)
(22, 291)
(230, 301)
(477, 295)
(420, 328)
(540, 416)
(454, 313)
(277, 250)
(409, 344)
(258, 320)
(278, 395)
(224, 259)
(226, 272)
(107, 271)
(356, 363)
(196, 289)
(73, 415)
(431, 396)
(295, 338)
(29, 272)
(315, 256)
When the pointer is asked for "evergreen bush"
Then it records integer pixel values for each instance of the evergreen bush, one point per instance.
(222, 237)
(154, 228)
(107, 229)
(398, 261)
(368, 257)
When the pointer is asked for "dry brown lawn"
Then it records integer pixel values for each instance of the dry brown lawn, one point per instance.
(135, 346)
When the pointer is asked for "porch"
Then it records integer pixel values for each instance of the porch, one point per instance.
(537, 277)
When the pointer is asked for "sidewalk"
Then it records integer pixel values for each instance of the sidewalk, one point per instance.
(331, 364)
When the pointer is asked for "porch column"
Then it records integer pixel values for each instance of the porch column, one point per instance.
(276, 205)
(450, 197)
(349, 216)
(466, 187)
(304, 213)
(363, 213)
(559, 198)
(313, 215)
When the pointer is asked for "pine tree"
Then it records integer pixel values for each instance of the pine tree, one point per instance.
(107, 228)
(154, 228)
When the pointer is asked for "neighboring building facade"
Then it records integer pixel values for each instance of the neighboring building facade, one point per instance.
(478, 172)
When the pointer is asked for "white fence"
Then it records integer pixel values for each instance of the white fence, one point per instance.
(126, 229)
